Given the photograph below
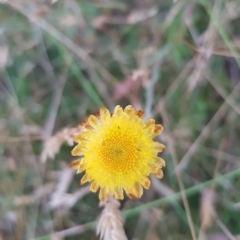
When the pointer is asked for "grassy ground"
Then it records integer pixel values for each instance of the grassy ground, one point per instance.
(179, 62)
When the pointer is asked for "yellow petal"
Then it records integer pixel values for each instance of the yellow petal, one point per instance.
(86, 126)
(102, 194)
(94, 186)
(109, 191)
(129, 110)
(78, 150)
(77, 138)
(145, 181)
(154, 169)
(158, 130)
(159, 162)
(81, 167)
(159, 174)
(119, 193)
(82, 137)
(138, 190)
(150, 123)
(140, 114)
(93, 121)
(105, 115)
(84, 179)
(75, 163)
(118, 111)
(131, 193)
(104, 112)
(159, 146)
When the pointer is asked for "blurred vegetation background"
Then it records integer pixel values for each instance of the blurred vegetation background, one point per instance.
(177, 60)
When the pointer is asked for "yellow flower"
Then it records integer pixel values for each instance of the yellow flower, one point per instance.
(118, 152)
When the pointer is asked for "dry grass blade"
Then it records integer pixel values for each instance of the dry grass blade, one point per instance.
(228, 234)
(152, 217)
(110, 224)
(141, 15)
(3, 56)
(53, 144)
(68, 200)
(207, 209)
(65, 179)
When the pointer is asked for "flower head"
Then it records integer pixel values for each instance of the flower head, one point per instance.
(118, 152)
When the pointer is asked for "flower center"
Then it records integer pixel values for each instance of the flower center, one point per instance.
(118, 151)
